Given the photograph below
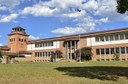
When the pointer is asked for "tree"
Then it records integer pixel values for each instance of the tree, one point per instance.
(116, 57)
(56, 54)
(86, 54)
(122, 6)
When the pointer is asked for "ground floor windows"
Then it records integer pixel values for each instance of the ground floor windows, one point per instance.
(42, 54)
(107, 51)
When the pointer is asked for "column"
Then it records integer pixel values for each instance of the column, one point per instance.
(65, 45)
(71, 50)
(75, 49)
(67, 51)
(120, 53)
(125, 53)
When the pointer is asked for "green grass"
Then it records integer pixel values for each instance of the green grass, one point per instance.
(112, 72)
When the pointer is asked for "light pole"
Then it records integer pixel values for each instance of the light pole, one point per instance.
(78, 10)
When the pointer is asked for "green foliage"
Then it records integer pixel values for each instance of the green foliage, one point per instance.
(5, 56)
(122, 6)
(86, 54)
(116, 56)
(56, 54)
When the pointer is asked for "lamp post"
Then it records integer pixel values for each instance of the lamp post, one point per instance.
(78, 10)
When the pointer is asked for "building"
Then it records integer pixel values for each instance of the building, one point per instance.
(103, 44)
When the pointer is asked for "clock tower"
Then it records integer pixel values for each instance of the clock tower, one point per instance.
(17, 39)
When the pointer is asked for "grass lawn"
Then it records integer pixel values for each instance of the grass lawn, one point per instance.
(109, 72)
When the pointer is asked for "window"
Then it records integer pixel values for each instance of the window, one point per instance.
(116, 37)
(121, 36)
(40, 54)
(127, 49)
(35, 54)
(112, 50)
(106, 38)
(97, 39)
(122, 50)
(102, 51)
(117, 51)
(107, 50)
(101, 38)
(126, 35)
(98, 51)
(111, 38)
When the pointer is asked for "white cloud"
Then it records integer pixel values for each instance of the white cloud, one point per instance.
(3, 8)
(31, 37)
(10, 3)
(8, 18)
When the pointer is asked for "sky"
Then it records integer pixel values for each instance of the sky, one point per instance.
(53, 18)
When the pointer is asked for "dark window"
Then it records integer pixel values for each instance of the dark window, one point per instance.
(98, 51)
(116, 37)
(112, 50)
(48, 53)
(51, 43)
(40, 54)
(121, 36)
(117, 50)
(111, 38)
(127, 49)
(35, 54)
(122, 50)
(107, 50)
(97, 39)
(101, 38)
(102, 51)
(106, 38)
(126, 36)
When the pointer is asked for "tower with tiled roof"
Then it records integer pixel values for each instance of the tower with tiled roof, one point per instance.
(17, 39)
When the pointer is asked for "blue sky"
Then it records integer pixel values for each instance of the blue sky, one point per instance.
(51, 18)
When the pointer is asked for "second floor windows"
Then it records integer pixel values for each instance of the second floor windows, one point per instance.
(43, 44)
(113, 37)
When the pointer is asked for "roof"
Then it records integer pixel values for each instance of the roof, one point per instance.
(18, 27)
(4, 48)
(75, 37)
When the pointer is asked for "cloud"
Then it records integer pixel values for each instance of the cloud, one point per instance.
(10, 3)
(69, 30)
(8, 18)
(2, 8)
(31, 37)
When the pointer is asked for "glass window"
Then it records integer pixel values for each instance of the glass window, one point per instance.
(106, 38)
(97, 39)
(102, 51)
(51, 43)
(121, 36)
(107, 50)
(40, 44)
(117, 51)
(35, 54)
(116, 37)
(122, 50)
(127, 49)
(101, 38)
(40, 54)
(111, 38)
(98, 51)
(112, 50)
(126, 35)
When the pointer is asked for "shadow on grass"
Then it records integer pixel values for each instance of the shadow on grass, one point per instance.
(96, 72)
